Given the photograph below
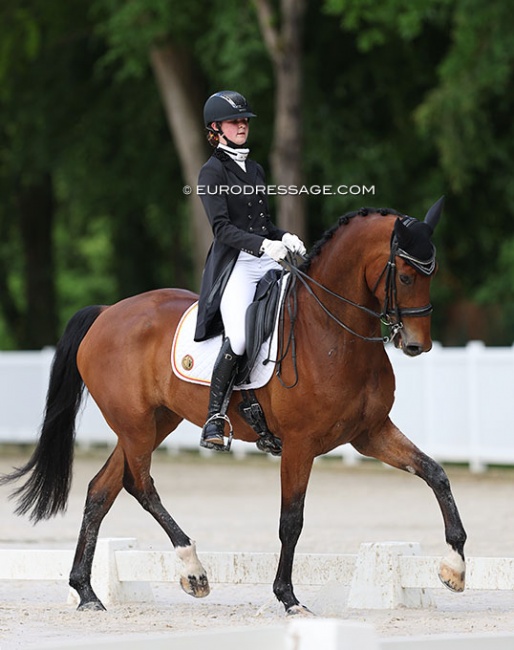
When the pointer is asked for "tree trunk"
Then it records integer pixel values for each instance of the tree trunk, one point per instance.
(285, 49)
(36, 209)
(178, 88)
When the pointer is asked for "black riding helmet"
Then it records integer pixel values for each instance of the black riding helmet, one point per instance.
(225, 105)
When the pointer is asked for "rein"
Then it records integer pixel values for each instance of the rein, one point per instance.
(390, 316)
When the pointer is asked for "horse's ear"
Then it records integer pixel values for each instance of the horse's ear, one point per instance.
(402, 233)
(434, 214)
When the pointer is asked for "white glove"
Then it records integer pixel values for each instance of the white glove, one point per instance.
(294, 243)
(275, 249)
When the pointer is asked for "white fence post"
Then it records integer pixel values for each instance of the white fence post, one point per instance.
(475, 350)
(105, 580)
(376, 581)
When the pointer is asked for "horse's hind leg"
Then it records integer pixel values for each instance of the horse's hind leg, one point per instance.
(138, 482)
(102, 492)
(133, 473)
(390, 446)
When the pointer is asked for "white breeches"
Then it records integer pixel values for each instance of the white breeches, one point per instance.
(239, 293)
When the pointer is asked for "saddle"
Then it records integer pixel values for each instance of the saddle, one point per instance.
(260, 320)
(259, 324)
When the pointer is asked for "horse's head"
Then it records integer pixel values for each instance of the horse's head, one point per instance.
(392, 263)
(407, 278)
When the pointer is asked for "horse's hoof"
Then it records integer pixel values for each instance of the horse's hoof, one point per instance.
(196, 586)
(299, 611)
(193, 578)
(452, 572)
(91, 606)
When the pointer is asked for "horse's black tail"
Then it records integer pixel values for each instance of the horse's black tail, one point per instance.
(46, 491)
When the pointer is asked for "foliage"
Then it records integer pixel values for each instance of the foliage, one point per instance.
(376, 23)
(458, 60)
(413, 99)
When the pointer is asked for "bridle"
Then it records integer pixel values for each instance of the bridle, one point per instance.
(390, 315)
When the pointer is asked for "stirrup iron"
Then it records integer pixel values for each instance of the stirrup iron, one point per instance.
(211, 445)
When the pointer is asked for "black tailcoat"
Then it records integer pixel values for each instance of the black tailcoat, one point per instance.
(238, 212)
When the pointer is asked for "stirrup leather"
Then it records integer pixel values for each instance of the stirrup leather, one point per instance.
(211, 445)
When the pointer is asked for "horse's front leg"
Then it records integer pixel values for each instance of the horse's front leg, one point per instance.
(390, 446)
(295, 474)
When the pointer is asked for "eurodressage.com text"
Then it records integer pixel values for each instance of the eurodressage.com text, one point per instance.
(280, 190)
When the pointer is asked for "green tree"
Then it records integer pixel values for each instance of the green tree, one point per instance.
(459, 120)
(34, 108)
(157, 32)
(90, 182)
(198, 48)
(412, 99)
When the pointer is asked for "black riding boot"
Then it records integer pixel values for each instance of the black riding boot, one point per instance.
(222, 382)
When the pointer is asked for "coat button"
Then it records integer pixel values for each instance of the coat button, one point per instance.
(250, 229)
(261, 214)
(260, 200)
(249, 204)
(249, 216)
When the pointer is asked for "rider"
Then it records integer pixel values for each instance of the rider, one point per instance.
(246, 245)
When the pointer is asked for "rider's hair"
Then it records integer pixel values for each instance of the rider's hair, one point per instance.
(213, 138)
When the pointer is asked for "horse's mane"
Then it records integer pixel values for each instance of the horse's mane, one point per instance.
(343, 221)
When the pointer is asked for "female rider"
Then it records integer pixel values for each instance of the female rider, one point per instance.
(246, 245)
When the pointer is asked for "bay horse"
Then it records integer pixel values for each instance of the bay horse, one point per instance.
(335, 387)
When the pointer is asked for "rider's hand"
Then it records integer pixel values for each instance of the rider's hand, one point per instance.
(275, 249)
(294, 244)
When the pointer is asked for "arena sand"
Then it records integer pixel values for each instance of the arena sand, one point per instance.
(229, 504)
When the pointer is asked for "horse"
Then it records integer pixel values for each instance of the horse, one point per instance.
(335, 386)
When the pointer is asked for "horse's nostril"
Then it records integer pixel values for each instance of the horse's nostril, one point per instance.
(413, 349)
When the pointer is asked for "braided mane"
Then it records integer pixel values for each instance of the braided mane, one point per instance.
(343, 221)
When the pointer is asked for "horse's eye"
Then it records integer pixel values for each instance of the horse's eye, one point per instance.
(406, 279)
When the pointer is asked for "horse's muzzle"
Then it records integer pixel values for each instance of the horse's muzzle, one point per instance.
(410, 348)
(413, 349)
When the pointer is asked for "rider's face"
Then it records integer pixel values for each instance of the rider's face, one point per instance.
(235, 130)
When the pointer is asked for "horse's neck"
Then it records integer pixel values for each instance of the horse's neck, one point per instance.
(341, 268)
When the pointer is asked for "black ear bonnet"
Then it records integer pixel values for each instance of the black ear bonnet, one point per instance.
(414, 239)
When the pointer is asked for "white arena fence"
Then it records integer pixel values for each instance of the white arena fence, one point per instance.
(380, 576)
(455, 403)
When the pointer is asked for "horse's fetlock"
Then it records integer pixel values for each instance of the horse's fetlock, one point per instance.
(457, 541)
(282, 590)
(76, 581)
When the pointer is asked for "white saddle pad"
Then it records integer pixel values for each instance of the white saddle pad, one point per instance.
(193, 361)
